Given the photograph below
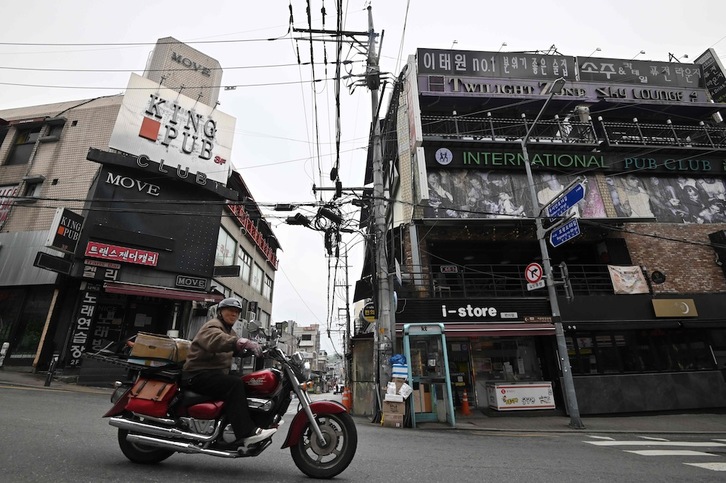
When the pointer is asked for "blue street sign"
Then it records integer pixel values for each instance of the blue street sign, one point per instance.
(566, 201)
(565, 233)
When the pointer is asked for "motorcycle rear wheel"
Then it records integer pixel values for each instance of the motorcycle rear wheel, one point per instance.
(329, 459)
(139, 453)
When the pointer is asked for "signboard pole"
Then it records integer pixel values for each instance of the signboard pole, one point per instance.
(568, 382)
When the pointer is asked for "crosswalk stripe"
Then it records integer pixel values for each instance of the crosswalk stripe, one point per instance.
(668, 452)
(649, 438)
(601, 437)
(690, 444)
(710, 466)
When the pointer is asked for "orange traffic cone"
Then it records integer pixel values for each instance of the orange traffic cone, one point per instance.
(346, 399)
(465, 405)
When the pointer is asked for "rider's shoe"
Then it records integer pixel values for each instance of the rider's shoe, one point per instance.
(259, 435)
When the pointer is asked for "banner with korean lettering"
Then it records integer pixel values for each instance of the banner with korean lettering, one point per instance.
(82, 321)
(121, 254)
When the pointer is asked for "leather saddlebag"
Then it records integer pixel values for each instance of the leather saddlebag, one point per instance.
(151, 397)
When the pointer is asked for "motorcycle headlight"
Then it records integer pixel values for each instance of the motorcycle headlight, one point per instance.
(297, 359)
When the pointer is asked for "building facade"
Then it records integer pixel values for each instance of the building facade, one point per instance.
(639, 280)
(121, 214)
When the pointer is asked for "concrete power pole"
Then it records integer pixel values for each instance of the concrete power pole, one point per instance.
(384, 335)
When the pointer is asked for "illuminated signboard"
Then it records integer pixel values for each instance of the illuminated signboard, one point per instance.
(516, 65)
(121, 254)
(713, 75)
(536, 66)
(643, 72)
(191, 138)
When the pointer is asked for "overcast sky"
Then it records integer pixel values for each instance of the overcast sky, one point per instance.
(284, 141)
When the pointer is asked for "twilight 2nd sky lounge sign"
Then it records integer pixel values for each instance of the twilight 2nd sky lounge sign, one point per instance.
(175, 130)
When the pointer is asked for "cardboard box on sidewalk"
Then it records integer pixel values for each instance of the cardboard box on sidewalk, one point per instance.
(392, 420)
(391, 407)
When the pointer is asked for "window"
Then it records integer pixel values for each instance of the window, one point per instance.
(264, 318)
(7, 196)
(32, 189)
(637, 351)
(225, 249)
(267, 288)
(256, 281)
(245, 262)
(3, 131)
(23, 146)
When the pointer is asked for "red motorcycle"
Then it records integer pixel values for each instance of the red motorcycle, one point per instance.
(155, 418)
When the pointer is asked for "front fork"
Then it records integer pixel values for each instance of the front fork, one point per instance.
(305, 402)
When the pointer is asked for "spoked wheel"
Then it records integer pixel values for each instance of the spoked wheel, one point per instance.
(329, 458)
(139, 453)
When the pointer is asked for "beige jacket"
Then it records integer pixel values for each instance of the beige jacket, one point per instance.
(212, 349)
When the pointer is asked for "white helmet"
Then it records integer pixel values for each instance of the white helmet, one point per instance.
(230, 302)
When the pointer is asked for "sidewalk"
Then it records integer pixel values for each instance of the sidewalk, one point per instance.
(709, 422)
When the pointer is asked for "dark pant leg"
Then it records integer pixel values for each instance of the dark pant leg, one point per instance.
(231, 389)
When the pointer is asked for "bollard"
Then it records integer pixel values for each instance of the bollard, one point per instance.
(51, 371)
(3, 351)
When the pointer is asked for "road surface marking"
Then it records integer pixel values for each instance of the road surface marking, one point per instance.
(669, 452)
(602, 437)
(692, 444)
(710, 466)
(652, 439)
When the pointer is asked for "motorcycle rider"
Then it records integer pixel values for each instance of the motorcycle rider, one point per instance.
(206, 371)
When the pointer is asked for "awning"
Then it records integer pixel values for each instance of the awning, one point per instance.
(161, 292)
(493, 330)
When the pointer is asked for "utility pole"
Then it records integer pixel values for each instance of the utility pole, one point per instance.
(567, 381)
(384, 335)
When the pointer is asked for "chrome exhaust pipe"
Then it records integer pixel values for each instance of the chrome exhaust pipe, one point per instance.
(139, 427)
(178, 446)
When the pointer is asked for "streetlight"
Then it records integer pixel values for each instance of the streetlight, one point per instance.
(570, 396)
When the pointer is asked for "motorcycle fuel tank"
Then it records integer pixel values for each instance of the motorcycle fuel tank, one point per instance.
(262, 382)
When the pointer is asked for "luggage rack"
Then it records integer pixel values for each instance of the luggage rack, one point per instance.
(171, 370)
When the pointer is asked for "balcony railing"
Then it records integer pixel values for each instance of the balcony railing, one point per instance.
(490, 128)
(479, 281)
(575, 132)
(668, 134)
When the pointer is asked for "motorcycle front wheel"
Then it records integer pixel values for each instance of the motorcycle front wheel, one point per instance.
(139, 453)
(329, 458)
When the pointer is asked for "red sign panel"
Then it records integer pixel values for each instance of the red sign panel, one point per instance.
(121, 254)
(533, 273)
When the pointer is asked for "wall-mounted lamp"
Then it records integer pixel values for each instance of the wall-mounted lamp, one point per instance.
(504, 44)
(597, 49)
(673, 58)
(639, 53)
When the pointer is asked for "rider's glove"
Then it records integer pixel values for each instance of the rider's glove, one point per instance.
(250, 345)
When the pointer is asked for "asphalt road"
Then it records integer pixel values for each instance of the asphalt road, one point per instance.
(60, 436)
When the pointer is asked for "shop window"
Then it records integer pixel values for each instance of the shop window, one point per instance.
(640, 352)
(23, 146)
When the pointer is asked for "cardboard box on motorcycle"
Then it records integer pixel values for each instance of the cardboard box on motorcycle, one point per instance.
(154, 347)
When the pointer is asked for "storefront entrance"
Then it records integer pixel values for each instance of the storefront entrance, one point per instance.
(477, 362)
